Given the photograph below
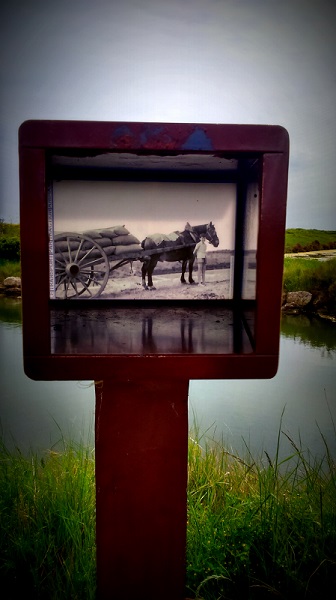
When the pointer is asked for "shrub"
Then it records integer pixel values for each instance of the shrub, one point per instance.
(9, 229)
(10, 248)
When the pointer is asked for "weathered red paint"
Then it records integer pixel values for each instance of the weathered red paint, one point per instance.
(37, 139)
(120, 136)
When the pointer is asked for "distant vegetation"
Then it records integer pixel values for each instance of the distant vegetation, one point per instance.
(9, 241)
(312, 276)
(9, 229)
(9, 250)
(308, 240)
(297, 240)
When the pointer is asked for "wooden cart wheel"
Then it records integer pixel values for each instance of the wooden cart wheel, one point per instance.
(81, 267)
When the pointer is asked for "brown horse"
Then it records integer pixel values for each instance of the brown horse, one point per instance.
(178, 246)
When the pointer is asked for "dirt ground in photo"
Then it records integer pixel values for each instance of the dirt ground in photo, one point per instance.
(128, 286)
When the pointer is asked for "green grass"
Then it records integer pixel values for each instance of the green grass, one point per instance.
(308, 274)
(9, 268)
(47, 532)
(317, 277)
(258, 531)
(307, 237)
(257, 528)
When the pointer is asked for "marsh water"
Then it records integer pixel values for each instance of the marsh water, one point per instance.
(301, 398)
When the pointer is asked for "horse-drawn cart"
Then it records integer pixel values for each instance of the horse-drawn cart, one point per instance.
(83, 262)
(82, 266)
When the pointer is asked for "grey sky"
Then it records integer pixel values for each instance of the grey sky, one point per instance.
(145, 207)
(216, 61)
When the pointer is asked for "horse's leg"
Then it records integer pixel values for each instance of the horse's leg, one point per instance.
(191, 266)
(144, 270)
(184, 268)
(151, 266)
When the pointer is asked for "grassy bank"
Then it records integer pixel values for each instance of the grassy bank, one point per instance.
(9, 268)
(256, 529)
(316, 277)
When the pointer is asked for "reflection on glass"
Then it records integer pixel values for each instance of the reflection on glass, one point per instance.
(250, 242)
(142, 331)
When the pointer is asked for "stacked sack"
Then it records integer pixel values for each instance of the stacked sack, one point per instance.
(115, 240)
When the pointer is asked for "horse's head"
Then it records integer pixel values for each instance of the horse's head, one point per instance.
(208, 230)
(211, 234)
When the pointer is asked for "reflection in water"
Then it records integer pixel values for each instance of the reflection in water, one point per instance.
(35, 412)
(247, 413)
(10, 310)
(310, 331)
(147, 330)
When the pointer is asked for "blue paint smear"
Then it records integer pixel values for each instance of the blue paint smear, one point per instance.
(198, 140)
(150, 133)
(121, 132)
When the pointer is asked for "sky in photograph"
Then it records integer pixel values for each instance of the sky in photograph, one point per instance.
(145, 207)
(198, 61)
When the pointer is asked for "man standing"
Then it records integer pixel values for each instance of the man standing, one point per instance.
(200, 253)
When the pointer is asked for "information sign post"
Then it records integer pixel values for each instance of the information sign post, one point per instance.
(112, 215)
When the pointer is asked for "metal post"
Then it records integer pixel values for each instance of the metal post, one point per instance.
(141, 481)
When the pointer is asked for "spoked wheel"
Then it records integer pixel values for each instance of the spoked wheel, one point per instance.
(81, 267)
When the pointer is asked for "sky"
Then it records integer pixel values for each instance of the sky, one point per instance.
(145, 207)
(186, 61)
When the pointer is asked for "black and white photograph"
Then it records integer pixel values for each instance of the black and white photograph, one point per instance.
(144, 240)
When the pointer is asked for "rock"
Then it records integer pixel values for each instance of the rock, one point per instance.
(295, 302)
(298, 303)
(12, 282)
(11, 286)
(298, 299)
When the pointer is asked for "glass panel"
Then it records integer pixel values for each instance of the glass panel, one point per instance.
(250, 242)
